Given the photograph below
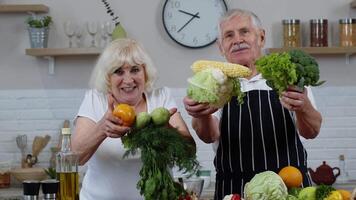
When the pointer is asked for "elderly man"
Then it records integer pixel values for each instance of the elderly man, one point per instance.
(262, 133)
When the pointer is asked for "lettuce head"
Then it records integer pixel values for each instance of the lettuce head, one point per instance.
(266, 186)
(212, 86)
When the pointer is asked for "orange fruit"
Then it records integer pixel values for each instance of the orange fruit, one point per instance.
(346, 195)
(291, 176)
(126, 113)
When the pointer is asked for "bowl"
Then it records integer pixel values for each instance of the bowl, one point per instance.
(193, 185)
(35, 173)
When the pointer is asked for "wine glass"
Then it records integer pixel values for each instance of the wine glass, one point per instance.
(69, 31)
(103, 33)
(92, 28)
(79, 30)
(110, 26)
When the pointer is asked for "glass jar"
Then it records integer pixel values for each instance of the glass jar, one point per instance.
(319, 33)
(347, 32)
(291, 32)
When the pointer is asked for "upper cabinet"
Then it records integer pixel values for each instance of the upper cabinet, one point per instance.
(353, 4)
(23, 8)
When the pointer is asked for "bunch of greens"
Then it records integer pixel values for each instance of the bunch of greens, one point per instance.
(214, 87)
(161, 147)
(323, 191)
(295, 67)
(39, 22)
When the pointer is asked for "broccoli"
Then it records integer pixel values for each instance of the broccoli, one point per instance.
(307, 68)
(289, 68)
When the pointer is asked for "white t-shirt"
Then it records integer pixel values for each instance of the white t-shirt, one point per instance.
(109, 176)
(256, 83)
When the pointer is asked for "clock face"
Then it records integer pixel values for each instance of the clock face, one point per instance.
(193, 23)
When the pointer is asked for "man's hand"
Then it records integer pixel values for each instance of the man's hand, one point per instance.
(196, 109)
(295, 100)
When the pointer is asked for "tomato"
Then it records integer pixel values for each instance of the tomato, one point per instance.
(126, 113)
(235, 197)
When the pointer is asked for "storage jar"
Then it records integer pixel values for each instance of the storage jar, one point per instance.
(319, 33)
(347, 32)
(291, 33)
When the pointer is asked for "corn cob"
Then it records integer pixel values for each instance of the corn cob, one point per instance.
(229, 69)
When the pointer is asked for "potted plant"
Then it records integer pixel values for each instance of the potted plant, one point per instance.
(38, 29)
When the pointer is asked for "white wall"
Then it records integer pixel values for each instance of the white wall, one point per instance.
(42, 112)
(142, 21)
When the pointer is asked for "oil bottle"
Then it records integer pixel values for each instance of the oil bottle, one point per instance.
(67, 169)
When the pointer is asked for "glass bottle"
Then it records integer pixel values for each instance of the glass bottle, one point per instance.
(291, 32)
(67, 169)
(343, 173)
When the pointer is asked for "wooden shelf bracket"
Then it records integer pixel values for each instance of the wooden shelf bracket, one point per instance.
(51, 63)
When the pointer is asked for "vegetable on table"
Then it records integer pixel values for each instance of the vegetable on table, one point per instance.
(216, 82)
(323, 191)
(266, 185)
(293, 68)
(308, 193)
(162, 147)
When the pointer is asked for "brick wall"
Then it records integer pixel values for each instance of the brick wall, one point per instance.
(41, 112)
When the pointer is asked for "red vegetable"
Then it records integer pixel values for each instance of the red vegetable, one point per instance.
(235, 197)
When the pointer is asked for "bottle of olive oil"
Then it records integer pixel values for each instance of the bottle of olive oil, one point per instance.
(67, 169)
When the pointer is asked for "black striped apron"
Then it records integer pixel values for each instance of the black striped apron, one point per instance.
(256, 136)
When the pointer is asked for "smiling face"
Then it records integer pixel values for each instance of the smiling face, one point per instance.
(241, 41)
(127, 84)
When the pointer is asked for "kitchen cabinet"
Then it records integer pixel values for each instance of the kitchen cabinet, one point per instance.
(23, 8)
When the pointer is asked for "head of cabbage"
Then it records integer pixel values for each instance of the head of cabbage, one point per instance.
(266, 186)
(212, 86)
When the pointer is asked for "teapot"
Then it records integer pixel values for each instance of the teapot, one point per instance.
(324, 174)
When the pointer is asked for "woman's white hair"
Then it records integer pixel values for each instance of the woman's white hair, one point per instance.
(238, 12)
(118, 53)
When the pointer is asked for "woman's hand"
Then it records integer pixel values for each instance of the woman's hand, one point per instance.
(110, 125)
(294, 99)
(196, 109)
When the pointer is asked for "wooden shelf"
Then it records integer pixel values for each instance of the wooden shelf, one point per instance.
(23, 8)
(319, 50)
(353, 4)
(54, 52)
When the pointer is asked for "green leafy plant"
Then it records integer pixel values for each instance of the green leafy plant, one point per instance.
(39, 22)
(162, 147)
(293, 68)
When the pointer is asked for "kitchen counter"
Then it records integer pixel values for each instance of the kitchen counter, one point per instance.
(15, 192)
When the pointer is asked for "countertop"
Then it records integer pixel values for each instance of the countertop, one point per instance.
(15, 192)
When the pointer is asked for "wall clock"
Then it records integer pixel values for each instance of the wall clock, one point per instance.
(193, 23)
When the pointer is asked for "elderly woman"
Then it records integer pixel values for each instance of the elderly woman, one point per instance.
(123, 74)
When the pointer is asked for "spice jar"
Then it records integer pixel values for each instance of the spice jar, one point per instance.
(347, 32)
(291, 32)
(319, 32)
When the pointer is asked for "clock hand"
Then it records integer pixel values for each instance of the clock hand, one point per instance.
(194, 16)
(185, 12)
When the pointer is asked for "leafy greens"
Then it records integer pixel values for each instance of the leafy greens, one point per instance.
(295, 67)
(162, 147)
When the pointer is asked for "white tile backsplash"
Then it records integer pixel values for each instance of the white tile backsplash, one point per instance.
(41, 112)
